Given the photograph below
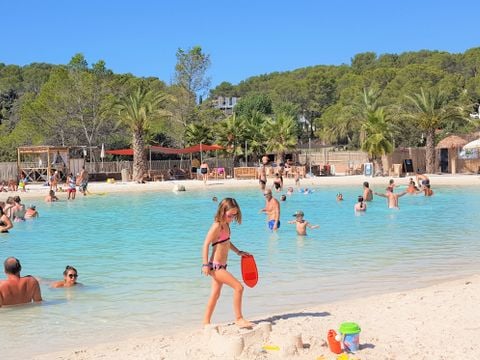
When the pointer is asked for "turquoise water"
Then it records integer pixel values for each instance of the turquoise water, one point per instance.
(139, 257)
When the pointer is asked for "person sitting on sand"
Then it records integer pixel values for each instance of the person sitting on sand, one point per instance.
(18, 289)
(301, 223)
(51, 197)
(12, 185)
(392, 199)
(3, 187)
(31, 212)
(360, 205)
(70, 276)
(218, 237)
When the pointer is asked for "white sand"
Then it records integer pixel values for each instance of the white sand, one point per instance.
(438, 322)
(37, 191)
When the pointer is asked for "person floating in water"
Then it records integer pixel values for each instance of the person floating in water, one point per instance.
(339, 197)
(301, 223)
(218, 237)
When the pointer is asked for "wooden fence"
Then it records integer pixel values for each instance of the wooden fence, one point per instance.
(341, 162)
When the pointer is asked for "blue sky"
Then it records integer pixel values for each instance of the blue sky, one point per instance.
(243, 38)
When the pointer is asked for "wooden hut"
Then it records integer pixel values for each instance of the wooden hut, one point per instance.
(38, 163)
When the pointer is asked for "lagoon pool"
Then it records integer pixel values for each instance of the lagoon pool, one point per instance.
(139, 257)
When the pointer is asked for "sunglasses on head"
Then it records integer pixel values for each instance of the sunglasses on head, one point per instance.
(71, 276)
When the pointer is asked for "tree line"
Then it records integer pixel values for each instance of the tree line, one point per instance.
(375, 103)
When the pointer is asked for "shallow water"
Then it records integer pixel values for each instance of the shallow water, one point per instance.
(139, 257)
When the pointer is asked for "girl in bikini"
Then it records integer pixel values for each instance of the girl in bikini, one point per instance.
(218, 237)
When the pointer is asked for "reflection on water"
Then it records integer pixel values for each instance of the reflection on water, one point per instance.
(139, 258)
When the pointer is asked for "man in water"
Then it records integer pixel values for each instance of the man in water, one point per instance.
(367, 192)
(392, 199)
(17, 289)
(272, 209)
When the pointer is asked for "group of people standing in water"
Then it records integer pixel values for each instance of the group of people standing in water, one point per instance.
(13, 210)
(218, 237)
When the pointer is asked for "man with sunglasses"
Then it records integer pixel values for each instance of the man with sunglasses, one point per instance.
(272, 210)
(17, 289)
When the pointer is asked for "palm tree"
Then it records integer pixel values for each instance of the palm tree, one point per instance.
(430, 110)
(253, 123)
(196, 133)
(376, 135)
(138, 111)
(230, 134)
(281, 135)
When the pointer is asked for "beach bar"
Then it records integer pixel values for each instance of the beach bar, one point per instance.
(37, 163)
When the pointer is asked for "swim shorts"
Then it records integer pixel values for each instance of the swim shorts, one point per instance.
(271, 223)
(203, 170)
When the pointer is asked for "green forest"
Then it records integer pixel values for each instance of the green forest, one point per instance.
(376, 103)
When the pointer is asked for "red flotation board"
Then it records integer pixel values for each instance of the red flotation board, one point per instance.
(249, 271)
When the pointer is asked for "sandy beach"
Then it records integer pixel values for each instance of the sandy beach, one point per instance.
(38, 191)
(437, 322)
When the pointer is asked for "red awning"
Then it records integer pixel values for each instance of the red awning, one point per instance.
(166, 150)
(120, 152)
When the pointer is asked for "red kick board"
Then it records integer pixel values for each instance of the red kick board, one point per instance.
(249, 271)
